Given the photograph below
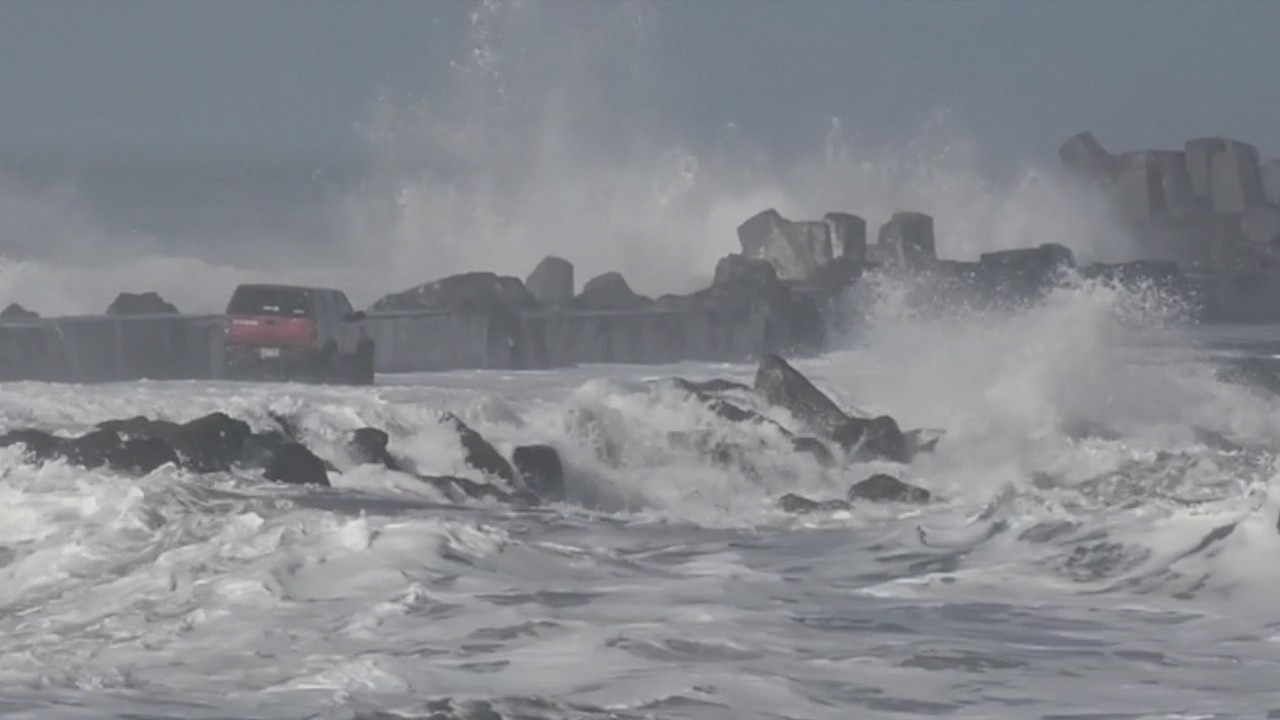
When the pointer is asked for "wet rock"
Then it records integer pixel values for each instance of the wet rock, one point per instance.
(815, 448)
(459, 489)
(541, 470)
(714, 385)
(907, 241)
(142, 456)
(800, 505)
(14, 311)
(140, 427)
(794, 249)
(479, 453)
(294, 464)
(213, 443)
(877, 438)
(93, 450)
(733, 456)
(147, 303)
(40, 445)
(884, 488)
(609, 291)
(782, 385)
(369, 445)
(551, 282)
(1026, 273)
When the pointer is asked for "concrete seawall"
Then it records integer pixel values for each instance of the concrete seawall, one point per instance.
(172, 347)
(109, 349)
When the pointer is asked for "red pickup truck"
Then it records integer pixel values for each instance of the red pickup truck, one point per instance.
(290, 332)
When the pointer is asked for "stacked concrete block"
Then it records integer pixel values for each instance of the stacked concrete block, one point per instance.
(795, 249)
(1224, 172)
(907, 241)
(848, 235)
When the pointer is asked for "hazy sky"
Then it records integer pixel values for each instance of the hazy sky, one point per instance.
(1019, 76)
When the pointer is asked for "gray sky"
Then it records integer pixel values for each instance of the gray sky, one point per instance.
(1019, 76)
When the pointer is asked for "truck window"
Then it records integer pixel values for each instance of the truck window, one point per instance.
(284, 302)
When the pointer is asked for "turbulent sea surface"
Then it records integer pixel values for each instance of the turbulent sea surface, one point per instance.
(1103, 545)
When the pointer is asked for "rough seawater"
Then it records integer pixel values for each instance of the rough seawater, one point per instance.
(1102, 546)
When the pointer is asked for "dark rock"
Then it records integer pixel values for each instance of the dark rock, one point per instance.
(213, 443)
(142, 456)
(714, 385)
(40, 445)
(794, 249)
(1086, 156)
(883, 488)
(907, 241)
(16, 312)
(501, 298)
(458, 489)
(369, 445)
(876, 438)
(782, 385)
(142, 427)
(1271, 182)
(93, 450)
(294, 464)
(814, 447)
(733, 456)
(480, 454)
(609, 291)
(801, 505)
(552, 282)
(1024, 274)
(848, 235)
(147, 303)
(540, 469)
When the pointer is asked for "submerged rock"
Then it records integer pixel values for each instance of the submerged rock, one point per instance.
(876, 438)
(801, 505)
(294, 464)
(369, 445)
(541, 470)
(883, 488)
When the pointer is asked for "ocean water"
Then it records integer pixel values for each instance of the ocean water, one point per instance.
(1100, 545)
(1102, 542)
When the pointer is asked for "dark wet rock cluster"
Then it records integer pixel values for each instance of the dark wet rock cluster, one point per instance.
(213, 443)
(218, 443)
(827, 433)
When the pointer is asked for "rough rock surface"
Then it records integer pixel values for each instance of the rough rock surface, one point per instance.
(609, 291)
(782, 385)
(551, 282)
(14, 311)
(479, 453)
(794, 249)
(147, 303)
(883, 488)
(541, 470)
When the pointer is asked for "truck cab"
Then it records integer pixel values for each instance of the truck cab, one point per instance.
(296, 332)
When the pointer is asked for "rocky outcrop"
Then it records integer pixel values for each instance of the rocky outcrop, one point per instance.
(147, 303)
(609, 291)
(14, 311)
(540, 470)
(213, 443)
(875, 489)
(551, 282)
(479, 453)
(473, 292)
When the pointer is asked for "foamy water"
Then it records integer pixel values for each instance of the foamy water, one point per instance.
(1060, 573)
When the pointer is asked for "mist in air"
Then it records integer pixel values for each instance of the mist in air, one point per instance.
(188, 147)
